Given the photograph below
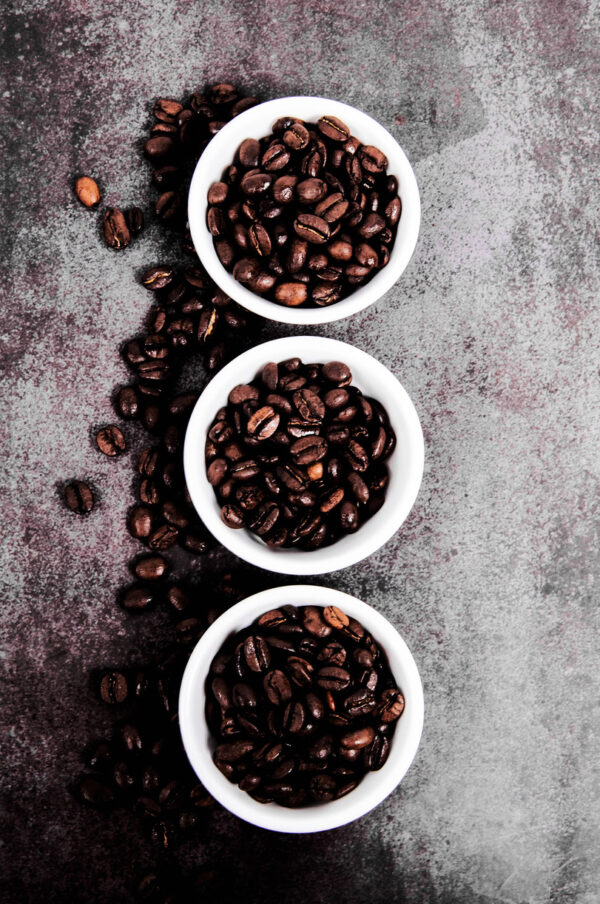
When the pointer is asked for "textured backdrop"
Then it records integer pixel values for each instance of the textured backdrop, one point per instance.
(493, 330)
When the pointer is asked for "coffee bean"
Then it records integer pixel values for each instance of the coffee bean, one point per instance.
(356, 740)
(391, 705)
(87, 191)
(296, 136)
(291, 294)
(135, 220)
(157, 278)
(110, 441)
(137, 598)
(113, 688)
(232, 516)
(79, 497)
(256, 654)
(150, 568)
(116, 230)
(277, 687)
(96, 793)
(333, 128)
(333, 678)
(311, 228)
(163, 537)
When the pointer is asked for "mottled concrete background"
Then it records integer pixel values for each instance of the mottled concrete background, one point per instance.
(494, 332)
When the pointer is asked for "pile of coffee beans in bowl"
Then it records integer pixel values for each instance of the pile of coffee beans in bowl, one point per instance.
(305, 215)
(301, 704)
(298, 455)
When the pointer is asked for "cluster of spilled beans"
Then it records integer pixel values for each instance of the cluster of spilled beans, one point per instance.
(305, 215)
(302, 705)
(298, 455)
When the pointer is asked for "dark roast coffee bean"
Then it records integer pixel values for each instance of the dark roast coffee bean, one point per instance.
(113, 687)
(136, 599)
(163, 537)
(333, 128)
(79, 497)
(96, 793)
(150, 568)
(312, 228)
(277, 687)
(115, 228)
(157, 278)
(140, 521)
(110, 441)
(333, 678)
(135, 220)
(391, 705)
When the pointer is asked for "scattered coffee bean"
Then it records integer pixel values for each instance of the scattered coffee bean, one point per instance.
(291, 724)
(87, 191)
(298, 456)
(116, 230)
(113, 687)
(79, 497)
(110, 441)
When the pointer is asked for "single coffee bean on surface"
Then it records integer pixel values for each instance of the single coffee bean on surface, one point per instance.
(305, 215)
(79, 497)
(297, 456)
(87, 191)
(287, 705)
(110, 441)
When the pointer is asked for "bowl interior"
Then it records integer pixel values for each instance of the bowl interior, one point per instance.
(257, 122)
(405, 465)
(374, 787)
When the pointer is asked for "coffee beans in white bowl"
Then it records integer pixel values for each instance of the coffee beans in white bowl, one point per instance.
(242, 492)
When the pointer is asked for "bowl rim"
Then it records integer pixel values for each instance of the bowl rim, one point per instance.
(375, 787)
(400, 495)
(211, 165)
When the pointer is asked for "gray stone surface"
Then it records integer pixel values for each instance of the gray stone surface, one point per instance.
(493, 330)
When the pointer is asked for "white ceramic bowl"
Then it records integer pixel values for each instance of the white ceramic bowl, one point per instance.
(257, 122)
(374, 787)
(405, 464)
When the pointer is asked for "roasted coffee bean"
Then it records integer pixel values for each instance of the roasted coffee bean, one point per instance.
(256, 654)
(311, 228)
(140, 521)
(291, 294)
(127, 402)
(277, 687)
(232, 516)
(135, 220)
(391, 705)
(136, 599)
(110, 441)
(296, 136)
(356, 740)
(116, 230)
(375, 756)
(149, 492)
(79, 497)
(150, 568)
(113, 687)
(333, 128)
(163, 537)
(333, 678)
(87, 191)
(96, 793)
(157, 278)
